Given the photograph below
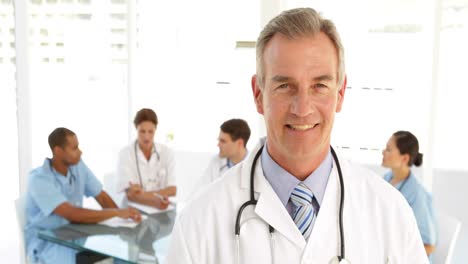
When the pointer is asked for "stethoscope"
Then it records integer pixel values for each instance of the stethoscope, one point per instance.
(138, 164)
(338, 259)
(71, 180)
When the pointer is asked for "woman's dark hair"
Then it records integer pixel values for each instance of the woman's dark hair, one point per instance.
(145, 114)
(407, 143)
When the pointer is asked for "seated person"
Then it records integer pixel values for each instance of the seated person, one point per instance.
(401, 153)
(55, 198)
(145, 169)
(232, 141)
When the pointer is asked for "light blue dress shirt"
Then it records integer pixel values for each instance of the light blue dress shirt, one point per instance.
(421, 203)
(47, 189)
(283, 182)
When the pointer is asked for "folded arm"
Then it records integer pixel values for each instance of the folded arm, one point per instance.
(136, 194)
(168, 191)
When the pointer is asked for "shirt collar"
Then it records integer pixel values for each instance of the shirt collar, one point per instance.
(283, 182)
(141, 155)
(48, 166)
(229, 163)
(402, 185)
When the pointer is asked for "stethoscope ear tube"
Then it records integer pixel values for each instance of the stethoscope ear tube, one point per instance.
(239, 215)
(342, 246)
(252, 200)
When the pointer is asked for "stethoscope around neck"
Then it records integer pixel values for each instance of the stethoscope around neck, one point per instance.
(252, 201)
(138, 164)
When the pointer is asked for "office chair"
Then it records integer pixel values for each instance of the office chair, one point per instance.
(448, 229)
(20, 215)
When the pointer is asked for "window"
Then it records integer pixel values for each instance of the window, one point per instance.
(9, 135)
(78, 68)
(450, 129)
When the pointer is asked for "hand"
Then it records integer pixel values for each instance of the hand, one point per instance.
(134, 189)
(130, 213)
(162, 201)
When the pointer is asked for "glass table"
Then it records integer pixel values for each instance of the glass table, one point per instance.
(146, 243)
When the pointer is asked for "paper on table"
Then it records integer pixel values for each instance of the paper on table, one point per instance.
(172, 199)
(120, 222)
(149, 209)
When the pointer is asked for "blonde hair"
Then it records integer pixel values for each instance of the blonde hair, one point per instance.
(298, 22)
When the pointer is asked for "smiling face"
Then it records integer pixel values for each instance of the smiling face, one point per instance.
(300, 97)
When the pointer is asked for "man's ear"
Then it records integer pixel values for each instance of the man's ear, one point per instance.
(341, 94)
(57, 151)
(257, 93)
(240, 142)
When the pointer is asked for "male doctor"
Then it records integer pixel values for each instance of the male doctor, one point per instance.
(299, 86)
(232, 141)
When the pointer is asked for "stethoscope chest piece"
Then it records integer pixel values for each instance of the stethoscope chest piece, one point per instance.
(336, 260)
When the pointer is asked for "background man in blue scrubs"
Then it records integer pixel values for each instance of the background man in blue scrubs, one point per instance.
(55, 198)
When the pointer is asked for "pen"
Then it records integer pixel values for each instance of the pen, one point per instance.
(162, 197)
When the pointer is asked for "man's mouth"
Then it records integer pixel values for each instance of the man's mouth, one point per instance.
(301, 127)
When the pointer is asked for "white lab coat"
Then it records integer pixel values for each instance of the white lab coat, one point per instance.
(379, 226)
(155, 175)
(217, 167)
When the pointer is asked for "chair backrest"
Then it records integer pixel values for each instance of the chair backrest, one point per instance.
(21, 218)
(110, 186)
(109, 182)
(448, 231)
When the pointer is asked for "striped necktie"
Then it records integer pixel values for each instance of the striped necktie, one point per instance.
(302, 197)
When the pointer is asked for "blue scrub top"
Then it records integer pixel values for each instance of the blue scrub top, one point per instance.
(47, 189)
(421, 202)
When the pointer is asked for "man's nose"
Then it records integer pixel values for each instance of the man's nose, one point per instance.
(302, 103)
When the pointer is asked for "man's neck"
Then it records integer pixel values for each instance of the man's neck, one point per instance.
(299, 164)
(60, 167)
(239, 157)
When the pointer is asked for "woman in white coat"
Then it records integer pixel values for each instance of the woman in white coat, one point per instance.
(145, 169)
(295, 218)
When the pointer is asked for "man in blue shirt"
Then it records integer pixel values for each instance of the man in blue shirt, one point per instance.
(55, 198)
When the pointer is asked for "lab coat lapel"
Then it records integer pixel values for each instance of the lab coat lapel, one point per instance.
(269, 207)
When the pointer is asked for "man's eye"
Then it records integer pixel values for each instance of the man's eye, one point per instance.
(321, 88)
(283, 86)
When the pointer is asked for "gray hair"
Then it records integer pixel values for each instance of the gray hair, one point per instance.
(297, 23)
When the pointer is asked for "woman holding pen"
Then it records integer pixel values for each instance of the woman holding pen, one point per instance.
(145, 169)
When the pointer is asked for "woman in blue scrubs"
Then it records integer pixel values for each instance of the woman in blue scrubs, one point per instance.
(401, 152)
